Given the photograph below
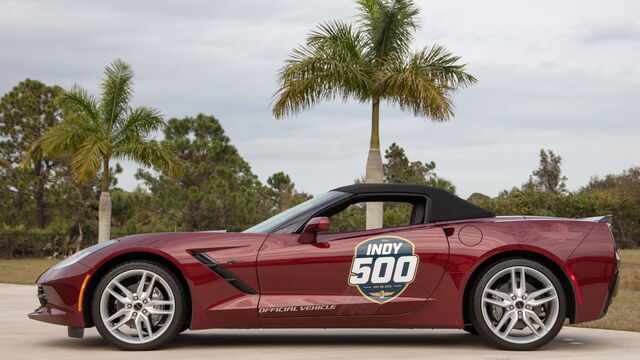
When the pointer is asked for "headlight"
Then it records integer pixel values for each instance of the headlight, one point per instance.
(83, 254)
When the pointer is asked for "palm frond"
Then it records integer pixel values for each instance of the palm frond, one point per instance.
(78, 100)
(5, 164)
(139, 124)
(151, 154)
(426, 82)
(30, 157)
(368, 11)
(389, 27)
(328, 65)
(117, 88)
(444, 66)
(338, 39)
(68, 136)
(89, 157)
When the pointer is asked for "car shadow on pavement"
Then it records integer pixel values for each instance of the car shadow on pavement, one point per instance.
(239, 340)
(329, 339)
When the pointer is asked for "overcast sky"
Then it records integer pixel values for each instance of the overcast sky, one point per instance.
(555, 74)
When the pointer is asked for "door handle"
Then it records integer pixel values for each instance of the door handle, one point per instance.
(448, 231)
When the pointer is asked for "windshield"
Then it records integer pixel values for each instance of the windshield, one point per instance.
(289, 220)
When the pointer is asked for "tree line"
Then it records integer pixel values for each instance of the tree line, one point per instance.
(49, 200)
(46, 211)
(546, 194)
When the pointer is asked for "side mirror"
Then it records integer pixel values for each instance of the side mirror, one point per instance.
(313, 227)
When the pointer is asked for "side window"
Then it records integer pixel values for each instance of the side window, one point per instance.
(352, 218)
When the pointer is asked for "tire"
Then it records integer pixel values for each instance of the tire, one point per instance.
(471, 330)
(505, 314)
(146, 317)
(184, 327)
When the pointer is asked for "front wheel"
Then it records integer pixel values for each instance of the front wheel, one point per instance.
(471, 330)
(139, 305)
(518, 304)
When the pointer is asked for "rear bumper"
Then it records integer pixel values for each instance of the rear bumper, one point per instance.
(58, 296)
(613, 288)
(596, 269)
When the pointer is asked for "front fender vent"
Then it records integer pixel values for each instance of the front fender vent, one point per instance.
(224, 273)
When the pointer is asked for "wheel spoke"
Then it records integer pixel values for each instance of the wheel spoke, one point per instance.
(118, 297)
(506, 316)
(155, 311)
(149, 291)
(147, 326)
(539, 302)
(523, 282)
(527, 322)
(159, 302)
(535, 294)
(512, 323)
(138, 323)
(124, 290)
(140, 289)
(537, 320)
(502, 303)
(514, 286)
(121, 322)
(500, 294)
(118, 314)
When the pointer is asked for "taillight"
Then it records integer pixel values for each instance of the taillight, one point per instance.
(615, 245)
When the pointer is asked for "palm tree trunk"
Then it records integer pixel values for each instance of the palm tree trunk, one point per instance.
(374, 167)
(39, 197)
(104, 207)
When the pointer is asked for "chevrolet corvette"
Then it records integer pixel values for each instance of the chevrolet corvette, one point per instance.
(438, 261)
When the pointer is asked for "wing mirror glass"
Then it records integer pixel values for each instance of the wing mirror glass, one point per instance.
(314, 226)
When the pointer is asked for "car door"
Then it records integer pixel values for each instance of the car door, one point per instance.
(371, 272)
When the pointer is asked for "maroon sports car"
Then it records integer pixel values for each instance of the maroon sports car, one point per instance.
(440, 262)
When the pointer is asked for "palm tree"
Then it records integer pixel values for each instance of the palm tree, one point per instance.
(96, 131)
(372, 61)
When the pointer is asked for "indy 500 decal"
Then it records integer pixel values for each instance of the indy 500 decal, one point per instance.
(383, 267)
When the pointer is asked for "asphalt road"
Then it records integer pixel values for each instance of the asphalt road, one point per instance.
(21, 338)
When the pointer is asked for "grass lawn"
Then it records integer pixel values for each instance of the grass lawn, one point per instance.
(23, 271)
(624, 313)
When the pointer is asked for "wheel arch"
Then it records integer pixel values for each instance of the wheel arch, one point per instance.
(522, 254)
(131, 256)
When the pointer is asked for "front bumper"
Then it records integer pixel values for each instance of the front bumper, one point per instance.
(59, 293)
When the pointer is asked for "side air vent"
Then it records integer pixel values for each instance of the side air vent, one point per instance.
(224, 273)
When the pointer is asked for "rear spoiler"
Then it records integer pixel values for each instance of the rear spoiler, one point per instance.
(600, 219)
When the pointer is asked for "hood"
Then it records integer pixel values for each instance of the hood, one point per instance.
(149, 239)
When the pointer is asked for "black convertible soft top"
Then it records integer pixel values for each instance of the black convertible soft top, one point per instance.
(444, 206)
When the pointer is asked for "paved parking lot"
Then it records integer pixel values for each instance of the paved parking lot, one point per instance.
(21, 338)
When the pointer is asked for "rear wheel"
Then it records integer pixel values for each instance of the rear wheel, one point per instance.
(139, 305)
(518, 304)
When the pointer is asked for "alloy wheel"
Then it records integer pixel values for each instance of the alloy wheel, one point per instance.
(520, 304)
(137, 306)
